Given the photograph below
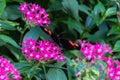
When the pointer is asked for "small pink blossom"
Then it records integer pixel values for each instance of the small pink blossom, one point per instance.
(94, 51)
(42, 50)
(34, 14)
(7, 70)
(78, 74)
(112, 71)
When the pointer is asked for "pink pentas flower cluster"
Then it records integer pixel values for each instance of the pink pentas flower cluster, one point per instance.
(34, 14)
(7, 70)
(42, 50)
(94, 51)
(113, 71)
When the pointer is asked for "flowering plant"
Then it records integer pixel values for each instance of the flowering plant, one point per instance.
(59, 40)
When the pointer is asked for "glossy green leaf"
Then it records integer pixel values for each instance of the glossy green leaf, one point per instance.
(99, 8)
(23, 67)
(4, 15)
(103, 27)
(6, 26)
(9, 40)
(2, 6)
(111, 11)
(71, 7)
(74, 25)
(114, 30)
(59, 64)
(116, 56)
(12, 12)
(70, 66)
(35, 33)
(14, 0)
(13, 50)
(101, 34)
(37, 78)
(85, 9)
(117, 46)
(56, 74)
(89, 22)
(56, 5)
(115, 20)
(92, 38)
(81, 66)
(2, 43)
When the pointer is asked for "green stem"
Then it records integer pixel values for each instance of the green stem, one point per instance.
(21, 37)
(35, 67)
(44, 69)
(56, 67)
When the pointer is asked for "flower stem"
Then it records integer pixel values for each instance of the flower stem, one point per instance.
(44, 69)
(21, 37)
(34, 70)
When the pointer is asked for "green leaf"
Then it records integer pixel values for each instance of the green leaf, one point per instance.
(115, 20)
(37, 77)
(85, 9)
(116, 56)
(56, 74)
(92, 38)
(74, 53)
(111, 11)
(14, 0)
(12, 12)
(74, 25)
(114, 30)
(35, 33)
(117, 46)
(101, 34)
(2, 6)
(55, 6)
(98, 13)
(81, 66)
(9, 40)
(11, 23)
(103, 27)
(89, 22)
(6, 26)
(59, 64)
(99, 8)
(13, 50)
(71, 7)
(23, 67)
(2, 43)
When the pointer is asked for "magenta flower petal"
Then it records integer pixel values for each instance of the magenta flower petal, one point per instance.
(42, 50)
(34, 14)
(7, 69)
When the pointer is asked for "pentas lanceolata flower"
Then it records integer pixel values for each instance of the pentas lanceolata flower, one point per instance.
(113, 71)
(7, 70)
(94, 51)
(78, 74)
(34, 14)
(42, 50)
